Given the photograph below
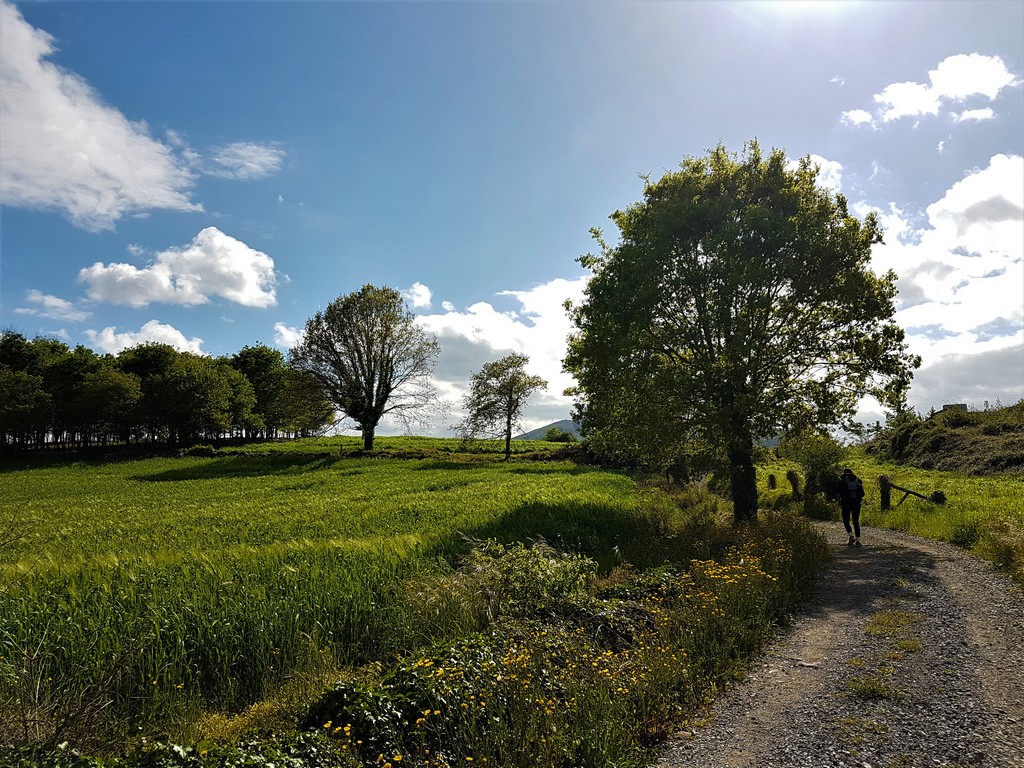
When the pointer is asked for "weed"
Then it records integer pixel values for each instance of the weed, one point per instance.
(892, 623)
(873, 686)
(909, 645)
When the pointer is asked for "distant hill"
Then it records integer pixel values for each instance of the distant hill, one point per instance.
(566, 425)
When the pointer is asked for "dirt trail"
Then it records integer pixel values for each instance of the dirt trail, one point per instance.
(910, 656)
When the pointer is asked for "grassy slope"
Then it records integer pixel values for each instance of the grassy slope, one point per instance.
(970, 442)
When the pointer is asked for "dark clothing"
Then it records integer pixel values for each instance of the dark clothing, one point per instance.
(854, 514)
(851, 491)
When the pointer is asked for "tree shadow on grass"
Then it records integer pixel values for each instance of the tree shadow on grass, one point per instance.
(453, 466)
(542, 469)
(609, 535)
(247, 466)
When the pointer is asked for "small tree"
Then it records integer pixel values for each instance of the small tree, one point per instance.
(820, 457)
(497, 394)
(370, 358)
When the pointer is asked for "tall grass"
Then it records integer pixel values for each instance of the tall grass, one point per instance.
(576, 673)
(149, 594)
(984, 515)
(145, 592)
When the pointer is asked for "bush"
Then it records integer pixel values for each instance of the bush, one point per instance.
(575, 671)
(556, 435)
(820, 457)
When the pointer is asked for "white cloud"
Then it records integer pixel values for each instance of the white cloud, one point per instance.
(418, 295)
(976, 115)
(857, 117)
(538, 327)
(961, 275)
(991, 201)
(51, 307)
(964, 75)
(245, 161)
(955, 79)
(63, 149)
(286, 336)
(109, 340)
(214, 264)
(907, 99)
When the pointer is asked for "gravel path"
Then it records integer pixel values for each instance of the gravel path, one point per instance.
(910, 656)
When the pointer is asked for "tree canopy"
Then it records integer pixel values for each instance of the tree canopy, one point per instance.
(370, 358)
(55, 396)
(738, 304)
(497, 394)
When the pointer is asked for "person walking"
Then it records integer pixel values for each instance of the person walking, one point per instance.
(851, 491)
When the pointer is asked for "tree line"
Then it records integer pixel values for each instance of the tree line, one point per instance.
(53, 396)
(363, 358)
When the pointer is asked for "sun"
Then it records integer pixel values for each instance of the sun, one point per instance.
(806, 7)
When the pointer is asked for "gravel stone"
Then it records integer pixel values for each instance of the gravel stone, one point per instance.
(937, 679)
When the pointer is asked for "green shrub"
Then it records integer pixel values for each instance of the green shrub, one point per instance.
(820, 456)
(556, 435)
(577, 672)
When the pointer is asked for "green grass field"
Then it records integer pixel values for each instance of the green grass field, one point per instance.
(211, 594)
(206, 581)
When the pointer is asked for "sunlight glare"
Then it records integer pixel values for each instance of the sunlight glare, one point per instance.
(794, 7)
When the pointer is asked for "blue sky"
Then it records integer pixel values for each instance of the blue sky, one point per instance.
(210, 174)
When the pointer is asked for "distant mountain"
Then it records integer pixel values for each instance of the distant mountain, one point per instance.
(566, 425)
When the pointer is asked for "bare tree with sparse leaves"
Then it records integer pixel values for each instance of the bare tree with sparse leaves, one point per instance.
(497, 394)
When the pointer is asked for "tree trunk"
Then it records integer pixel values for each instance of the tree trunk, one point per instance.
(508, 437)
(368, 438)
(743, 483)
(740, 454)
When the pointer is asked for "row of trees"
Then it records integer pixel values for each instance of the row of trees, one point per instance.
(55, 396)
(363, 357)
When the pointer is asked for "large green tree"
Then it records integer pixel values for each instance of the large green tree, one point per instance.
(738, 304)
(371, 358)
(266, 370)
(110, 401)
(497, 394)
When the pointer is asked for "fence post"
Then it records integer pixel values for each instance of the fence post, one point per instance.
(794, 480)
(885, 487)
